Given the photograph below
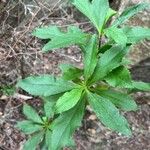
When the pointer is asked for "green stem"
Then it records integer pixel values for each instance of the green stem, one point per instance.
(100, 41)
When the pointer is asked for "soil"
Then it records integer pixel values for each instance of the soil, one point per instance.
(20, 56)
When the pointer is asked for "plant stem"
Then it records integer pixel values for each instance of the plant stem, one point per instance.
(100, 41)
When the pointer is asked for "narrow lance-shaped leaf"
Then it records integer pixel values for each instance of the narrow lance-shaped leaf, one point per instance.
(65, 125)
(60, 39)
(49, 105)
(108, 61)
(121, 100)
(48, 138)
(70, 72)
(117, 35)
(129, 12)
(28, 127)
(32, 143)
(119, 77)
(68, 100)
(108, 114)
(46, 32)
(96, 11)
(45, 85)
(141, 86)
(31, 114)
(136, 34)
(90, 57)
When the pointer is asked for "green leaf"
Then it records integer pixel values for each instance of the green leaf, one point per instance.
(129, 12)
(68, 100)
(108, 61)
(104, 48)
(90, 57)
(32, 143)
(141, 86)
(46, 32)
(96, 11)
(65, 125)
(48, 138)
(70, 72)
(136, 34)
(31, 114)
(119, 77)
(120, 100)
(60, 39)
(43, 146)
(117, 35)
(28, 127)
(45, 85)
(49, 106)
(108, 114)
